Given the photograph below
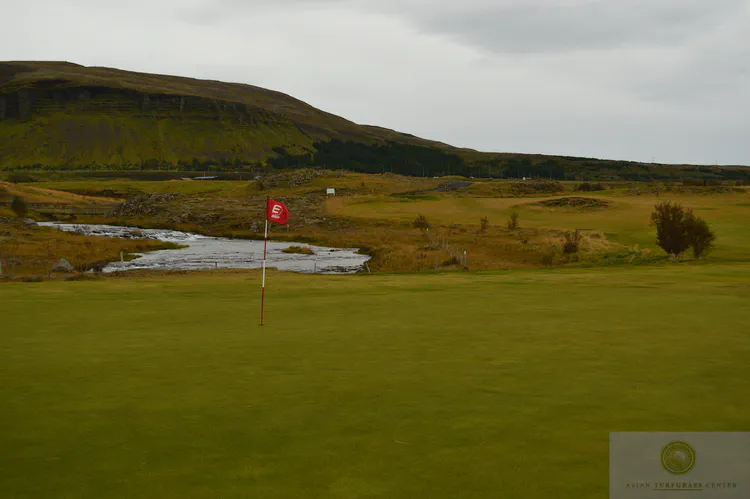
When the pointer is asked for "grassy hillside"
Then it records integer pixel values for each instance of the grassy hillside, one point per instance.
(58, 115)
(63, 115)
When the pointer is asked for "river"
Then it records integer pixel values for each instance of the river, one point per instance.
(204, 252)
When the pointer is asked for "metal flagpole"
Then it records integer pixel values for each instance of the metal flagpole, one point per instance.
(263, 283)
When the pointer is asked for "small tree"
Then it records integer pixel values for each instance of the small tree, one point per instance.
(572, 241)
(421, 222)
(19, 207)
(484, 224)
(671, 228)
(700, 235)
(513, 221)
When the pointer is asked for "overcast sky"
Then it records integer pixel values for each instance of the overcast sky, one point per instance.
(625, 79)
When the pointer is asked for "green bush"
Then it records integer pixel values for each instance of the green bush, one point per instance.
(421, 222)
(19, 207)
(572, 242)
(18, 178)
(513, 221)
(700, 235)
(588, 187)
(678, 229)
(484, 224)
(671, 229)
(451, 262)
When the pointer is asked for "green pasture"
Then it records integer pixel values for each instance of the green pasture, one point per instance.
(475, 385)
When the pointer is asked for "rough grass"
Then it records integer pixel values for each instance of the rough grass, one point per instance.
(126, 187)
(625, 221)
(377, 211)
(444, 385)
(34, 250)
(39, 193)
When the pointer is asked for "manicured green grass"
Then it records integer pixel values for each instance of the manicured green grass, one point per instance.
(501, 384)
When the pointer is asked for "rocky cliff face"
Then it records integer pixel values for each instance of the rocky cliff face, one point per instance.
(61, 96)
(59, 123)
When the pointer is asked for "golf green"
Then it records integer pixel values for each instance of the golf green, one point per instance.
(498, 384)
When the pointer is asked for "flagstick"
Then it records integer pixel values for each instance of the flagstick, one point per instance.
(263, 284)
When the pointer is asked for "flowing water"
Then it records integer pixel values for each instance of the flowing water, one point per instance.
(204, 252)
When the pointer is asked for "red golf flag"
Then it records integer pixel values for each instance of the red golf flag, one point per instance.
(276, 212)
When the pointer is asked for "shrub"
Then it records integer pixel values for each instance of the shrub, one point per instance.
(671, 229)
(450, 262)
(18, 178)
(548, 259)
(513, 221)
(34, 278)
(572, 241)
(678, 229)
(701, 182)
(19, 207)
(421, 222)
(700, 235)
(587, 187)
(529, 188)
(692, 182)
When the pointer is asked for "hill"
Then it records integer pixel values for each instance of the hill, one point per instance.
(59, 115)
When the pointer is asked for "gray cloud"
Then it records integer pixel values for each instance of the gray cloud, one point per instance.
(518, 26)
(630, 79)
(528, 27)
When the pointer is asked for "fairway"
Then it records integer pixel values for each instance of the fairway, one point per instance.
(481, 385)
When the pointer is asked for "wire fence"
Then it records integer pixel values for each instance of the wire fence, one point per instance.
(458, 255)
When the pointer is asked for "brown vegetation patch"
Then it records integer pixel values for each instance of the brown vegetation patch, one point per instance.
(531, 188)
(574, 202)
(298, 250)
(32, 250)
